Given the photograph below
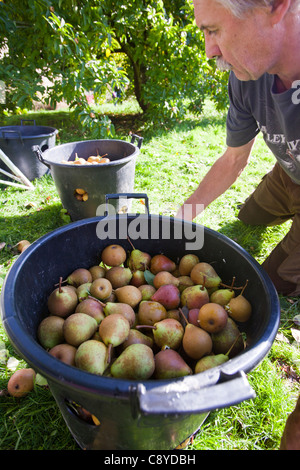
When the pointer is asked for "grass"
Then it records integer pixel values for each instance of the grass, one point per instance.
(172, 160)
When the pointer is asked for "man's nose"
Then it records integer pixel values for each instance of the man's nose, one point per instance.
(212, 49)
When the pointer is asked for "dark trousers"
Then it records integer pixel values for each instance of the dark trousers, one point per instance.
(276, 200)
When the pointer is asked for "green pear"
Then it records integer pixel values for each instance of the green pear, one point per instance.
(114, 329)
(169, 364)
(136, 362)
(79, 276)
(138, 260)
(50, 331)
(186, 264)
(204, 274)
(167, 333)
(62, 301)
(83, 291)
(79, 327)
(136, 336)
(222, 296)
(91, 357)
(194, 296)
(208, 362)
(229, 341)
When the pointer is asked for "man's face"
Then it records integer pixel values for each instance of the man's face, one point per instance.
(245, 45)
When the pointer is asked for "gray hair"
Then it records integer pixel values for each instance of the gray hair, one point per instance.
(240, 7)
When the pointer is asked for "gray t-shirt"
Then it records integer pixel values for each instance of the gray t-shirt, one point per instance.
(256, 107)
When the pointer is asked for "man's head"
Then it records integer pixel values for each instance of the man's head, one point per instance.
(250, 37)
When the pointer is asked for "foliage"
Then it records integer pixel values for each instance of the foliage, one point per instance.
(150, 46)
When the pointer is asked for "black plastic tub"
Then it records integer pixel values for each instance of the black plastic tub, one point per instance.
(117, 176)
(17, 141)
(133, 415)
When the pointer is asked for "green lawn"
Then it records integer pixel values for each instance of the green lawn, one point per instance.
(172, 161)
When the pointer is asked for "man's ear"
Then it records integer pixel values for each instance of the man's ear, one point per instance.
(279, 9)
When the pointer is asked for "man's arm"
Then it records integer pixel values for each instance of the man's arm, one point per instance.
(219, 178)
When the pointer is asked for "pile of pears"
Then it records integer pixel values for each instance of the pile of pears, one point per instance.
(138, 316)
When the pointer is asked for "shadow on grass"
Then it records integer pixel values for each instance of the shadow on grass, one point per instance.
(249, 237)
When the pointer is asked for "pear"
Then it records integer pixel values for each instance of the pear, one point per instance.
(222, 296)
(118, 276)
(147, 290)
(83, 291)
(50, 331)
(123, 309)
(136, 336)
(62, 301)
(212, 317)
(136, 362)
(239, 308)
(186, 264)
(113, 255)
(164, 277)
(208, 362)
(113, 330)
(184, 282)
(193, 316)
(169, 364)
(65, 353)
(91, 357)
(161, 262)
(174, 313)
(150, 312)
(138, 278)
(130, 295)
(196, 342)
(21, 382)
(101, 288)
(194, 296)
(138, 260)
(167, 333)
(79, 327)
(91, 307)
(203, 273)
(229, 339)
(167, 295)
(79, 276)
(97, 271)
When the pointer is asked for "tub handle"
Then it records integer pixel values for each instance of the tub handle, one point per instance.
(229, 390)
(139, 139)
(128, 196)
(38, 152)
(28, 120)
(12, 132)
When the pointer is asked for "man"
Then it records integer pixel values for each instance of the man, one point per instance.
(259, 41)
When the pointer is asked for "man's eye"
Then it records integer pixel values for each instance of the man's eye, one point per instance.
(211, 32)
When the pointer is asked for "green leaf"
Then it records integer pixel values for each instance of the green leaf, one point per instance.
(149, 277)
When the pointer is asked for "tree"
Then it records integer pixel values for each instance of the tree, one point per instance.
(77, 45)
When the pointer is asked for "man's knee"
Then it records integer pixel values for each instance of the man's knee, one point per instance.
(252, 213)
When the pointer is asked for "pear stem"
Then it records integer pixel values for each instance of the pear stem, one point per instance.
(233, 344)
(97, 300)
(130, 243)
(59, 285)
(108, 354)
(244, 287)
(183, 315)
(148, 327)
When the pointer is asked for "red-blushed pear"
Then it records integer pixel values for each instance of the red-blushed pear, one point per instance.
(21, 382)
(160, 262)
(91, 307)
(138, 278)
(65, 353)
(194, 296)
(168, 295)
(169, 364)
(193, 316)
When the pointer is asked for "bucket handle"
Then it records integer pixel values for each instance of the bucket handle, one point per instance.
(128, 196)
(229, 390)
(12, 132)
(38, 152)
(28, 120)
(139, 139)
